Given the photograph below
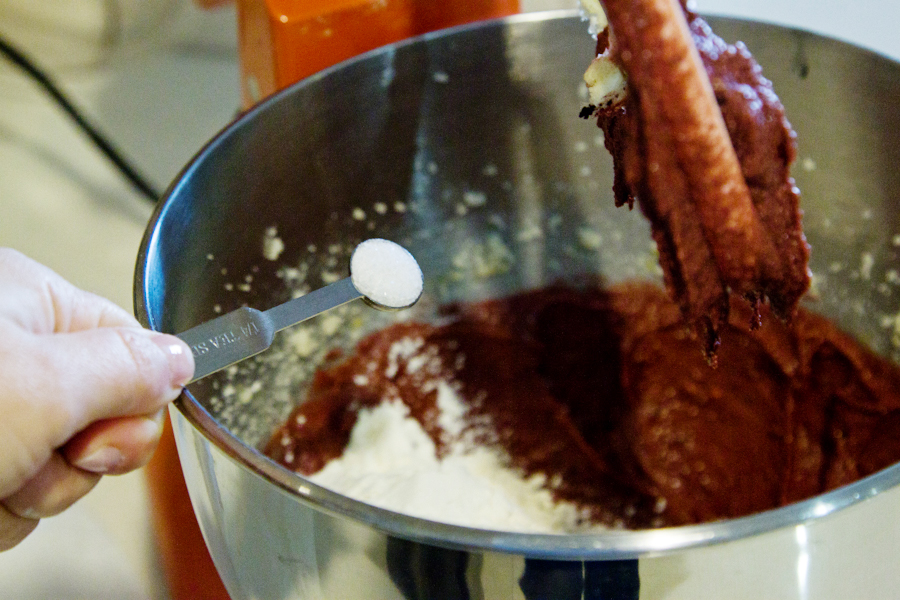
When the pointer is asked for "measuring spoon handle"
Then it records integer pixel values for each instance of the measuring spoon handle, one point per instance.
(228, 339)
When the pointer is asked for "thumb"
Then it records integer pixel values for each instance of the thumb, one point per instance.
(85, 376)
(127, 371)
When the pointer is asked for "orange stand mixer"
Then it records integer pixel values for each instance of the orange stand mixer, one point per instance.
(281, 42)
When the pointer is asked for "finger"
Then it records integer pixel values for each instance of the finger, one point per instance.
(115, 446)
(55, 488)
(68, 381)
(41, 301)
(125, 371)
(13, 528)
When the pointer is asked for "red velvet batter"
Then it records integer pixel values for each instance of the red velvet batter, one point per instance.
(702, 143)
(604, 392)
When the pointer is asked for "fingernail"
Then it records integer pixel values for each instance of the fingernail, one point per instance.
(29, 513)
(180, 359)
(101, 460)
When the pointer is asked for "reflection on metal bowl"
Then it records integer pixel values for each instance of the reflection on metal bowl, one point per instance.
(465, 144)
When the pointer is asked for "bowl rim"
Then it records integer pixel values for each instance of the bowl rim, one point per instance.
(606, 545)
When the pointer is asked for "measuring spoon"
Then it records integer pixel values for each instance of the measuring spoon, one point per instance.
(383, 273)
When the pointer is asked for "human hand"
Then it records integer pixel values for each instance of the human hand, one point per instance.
(82, 392)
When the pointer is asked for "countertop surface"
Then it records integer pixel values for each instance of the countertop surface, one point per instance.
(161, 79)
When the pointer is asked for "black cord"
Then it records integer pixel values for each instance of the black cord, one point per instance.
(105, 146)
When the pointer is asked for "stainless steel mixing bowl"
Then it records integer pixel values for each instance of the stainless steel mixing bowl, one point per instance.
(466, 147)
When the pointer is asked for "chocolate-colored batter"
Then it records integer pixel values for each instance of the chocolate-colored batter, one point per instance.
(604, 392)
(702, 142)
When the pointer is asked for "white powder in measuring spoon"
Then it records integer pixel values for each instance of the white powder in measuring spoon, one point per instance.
(386, 273)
